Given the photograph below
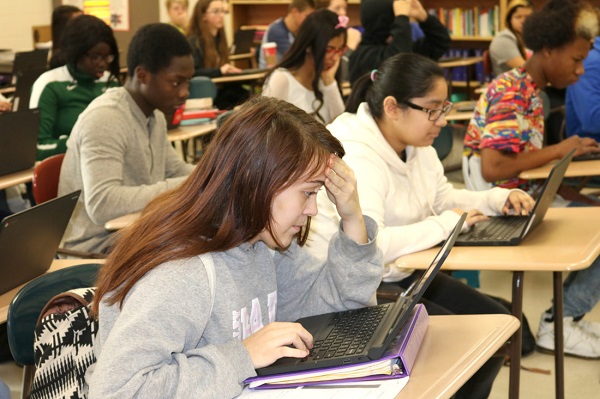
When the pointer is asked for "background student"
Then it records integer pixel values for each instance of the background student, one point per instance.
(248, 206)
(118, 153)
(177, 11)
(283, 30)
(340, 7)
(506, 135)
(393, 115)
(387, 32)
(507, 50)
(89, 60)
(583, 99)
(211, 51)
(306, 76)
(61, 15)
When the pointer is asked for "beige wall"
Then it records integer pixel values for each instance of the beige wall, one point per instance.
(18, 16)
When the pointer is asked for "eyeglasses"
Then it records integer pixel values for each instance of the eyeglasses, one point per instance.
(432, 114)
(333, 50)
(217, 12)
(97, 57)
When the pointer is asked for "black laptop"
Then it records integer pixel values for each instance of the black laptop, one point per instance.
(510, 230)
(29, 60)
(243, 40)
(590, 156)
(25, 80)
(29, 240)
(361, 335)
(18, 140)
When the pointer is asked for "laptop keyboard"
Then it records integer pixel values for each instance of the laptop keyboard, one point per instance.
(352, 331)
(499, 230)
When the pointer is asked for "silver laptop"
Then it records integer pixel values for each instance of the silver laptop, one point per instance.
(29, 240)
(361, 335)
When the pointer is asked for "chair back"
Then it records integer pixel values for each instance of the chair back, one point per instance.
(202, 87)
(443, 142)
(29, 302)
(488, 73)
(45, 178)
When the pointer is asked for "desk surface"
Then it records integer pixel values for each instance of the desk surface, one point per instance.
(567, 239)
(239, 77)
(466, 61)
(57, 264)
(191, 131)
(453, 349)
(12, 179)
(575, 169)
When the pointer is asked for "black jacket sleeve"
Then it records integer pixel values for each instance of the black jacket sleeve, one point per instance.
(436, 41)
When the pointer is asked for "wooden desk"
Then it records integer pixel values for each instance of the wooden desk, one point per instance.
(189, 132)
(7, 91)
(57, 264)
(236, 57)
(346, 89)
(240, 77)
(575, 169)
(250, 59)
(12, 179)
(468, 62)
(453, 349)
(7, 59)
(568, 239)
(121, 222)
(185, 133)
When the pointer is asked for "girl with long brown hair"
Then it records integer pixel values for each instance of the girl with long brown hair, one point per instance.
(211, 50)
(248, 205)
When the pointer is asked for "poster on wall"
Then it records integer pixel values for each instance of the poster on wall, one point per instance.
(114, 12)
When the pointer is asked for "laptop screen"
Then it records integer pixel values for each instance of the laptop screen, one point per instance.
(548, 192)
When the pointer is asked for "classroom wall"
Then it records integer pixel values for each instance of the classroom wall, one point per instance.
(17, 18)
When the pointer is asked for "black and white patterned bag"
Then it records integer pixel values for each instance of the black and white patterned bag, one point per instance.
(63, 346)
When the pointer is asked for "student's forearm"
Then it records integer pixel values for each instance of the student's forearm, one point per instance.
(497, 165)
(356, 229)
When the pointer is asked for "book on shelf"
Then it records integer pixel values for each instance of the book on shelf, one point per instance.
(469, 22)
(396, 362)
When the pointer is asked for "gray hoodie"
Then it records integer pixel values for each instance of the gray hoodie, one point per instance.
(165, 343)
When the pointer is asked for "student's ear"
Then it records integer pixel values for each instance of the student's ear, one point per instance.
(547, 52)
(142, 74)
(390, 107)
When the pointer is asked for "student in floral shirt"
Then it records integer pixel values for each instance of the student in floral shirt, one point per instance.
(506, 136)
(506, 133)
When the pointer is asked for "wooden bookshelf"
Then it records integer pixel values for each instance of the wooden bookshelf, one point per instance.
(465, 18)
(263, 12)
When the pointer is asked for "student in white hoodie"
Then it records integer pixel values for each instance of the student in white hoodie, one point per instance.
(401, 184)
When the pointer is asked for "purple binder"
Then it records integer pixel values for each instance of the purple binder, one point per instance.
(405, 349)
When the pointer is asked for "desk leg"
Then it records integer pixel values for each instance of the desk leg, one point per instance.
(559, 360)
(515, 342)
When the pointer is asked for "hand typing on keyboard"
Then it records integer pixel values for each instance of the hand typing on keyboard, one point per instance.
(474, 216)
(277, 340)
(518, 203)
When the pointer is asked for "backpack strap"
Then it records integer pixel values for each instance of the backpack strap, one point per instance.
(209, 265)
